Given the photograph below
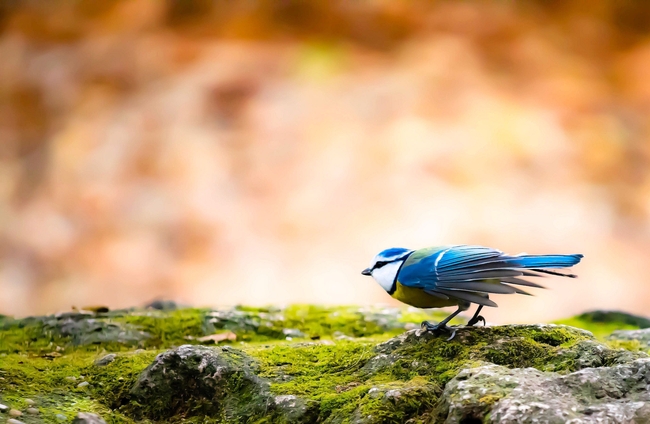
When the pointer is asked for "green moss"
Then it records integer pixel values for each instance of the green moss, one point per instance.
(631, 345)
(17, 337)
(113, 382)
(54, 385)
(170, 328)
(334, 379)
(315, 322)
(329, 375)
(517, 353)
(340, 377)
(41, 340)
(123, 330)
(54, 335)
(326, 373)
(440, 360)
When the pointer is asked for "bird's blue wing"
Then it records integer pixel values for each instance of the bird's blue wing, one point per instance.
(428, 266)
(471, 272)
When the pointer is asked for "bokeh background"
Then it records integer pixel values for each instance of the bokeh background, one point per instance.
(262, 152)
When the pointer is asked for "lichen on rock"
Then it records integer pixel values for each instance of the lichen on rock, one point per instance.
(525, 395)
(641, 336)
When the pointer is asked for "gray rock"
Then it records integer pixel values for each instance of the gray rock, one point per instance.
(380, 362)
(471, 394)
(162, 305)
(88, 418)
(643, 336)
(296, 410)
(618, 394)
(105, 360)
(337, 335)
(83, 328)
(293, 333)
(238, 320)
(61, 417)
(3, 408)
(33, 411)
(14, 421)
(194, 380)
(92, 331)
(202, 380)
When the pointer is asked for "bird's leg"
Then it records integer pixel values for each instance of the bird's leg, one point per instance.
(476, 318)
(442, 325)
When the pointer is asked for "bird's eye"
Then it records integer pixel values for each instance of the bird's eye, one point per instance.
(380, 264)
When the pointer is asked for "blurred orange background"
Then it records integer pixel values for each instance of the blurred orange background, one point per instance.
(262, 152)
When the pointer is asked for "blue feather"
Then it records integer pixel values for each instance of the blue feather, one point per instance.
(546, 261)
(455, 266)
(393, 252)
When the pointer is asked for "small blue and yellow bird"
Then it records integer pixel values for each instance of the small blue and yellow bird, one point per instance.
(436, 277)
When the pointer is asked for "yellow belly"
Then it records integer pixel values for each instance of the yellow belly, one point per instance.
(418, 298)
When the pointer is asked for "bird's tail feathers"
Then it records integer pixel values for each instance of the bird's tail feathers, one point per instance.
(537, 262)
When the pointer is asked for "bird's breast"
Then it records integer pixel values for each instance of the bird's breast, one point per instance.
(417, 297)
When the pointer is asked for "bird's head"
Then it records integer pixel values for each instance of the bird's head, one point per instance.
(385, 265)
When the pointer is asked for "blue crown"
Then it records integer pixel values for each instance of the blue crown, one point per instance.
(393, 253)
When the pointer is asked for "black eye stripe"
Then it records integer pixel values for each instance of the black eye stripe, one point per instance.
(380, 264)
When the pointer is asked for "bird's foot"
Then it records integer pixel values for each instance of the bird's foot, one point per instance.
(437, 328)
(476, 319)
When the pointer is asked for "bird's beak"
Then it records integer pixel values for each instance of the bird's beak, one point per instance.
(366, 271)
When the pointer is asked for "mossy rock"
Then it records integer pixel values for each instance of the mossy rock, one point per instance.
(496, 394)
(299, 364)
(158, 328)
(602, 323)
(198, 380)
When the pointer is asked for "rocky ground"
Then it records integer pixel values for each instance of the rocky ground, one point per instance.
(304, 364)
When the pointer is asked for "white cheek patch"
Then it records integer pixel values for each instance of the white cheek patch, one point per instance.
(386, 274)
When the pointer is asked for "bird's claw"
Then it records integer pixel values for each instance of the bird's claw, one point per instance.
(475, 320)
(437, 328)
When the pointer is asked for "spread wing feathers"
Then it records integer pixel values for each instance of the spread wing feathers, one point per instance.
(475, 275)
(546, 271)
(479, 286)
(520, 282)
(520, 291)
(468, 296)
(457, 257)
(472, 258)
(471, 272)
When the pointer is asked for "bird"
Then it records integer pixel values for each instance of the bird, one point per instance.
(460, 275)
